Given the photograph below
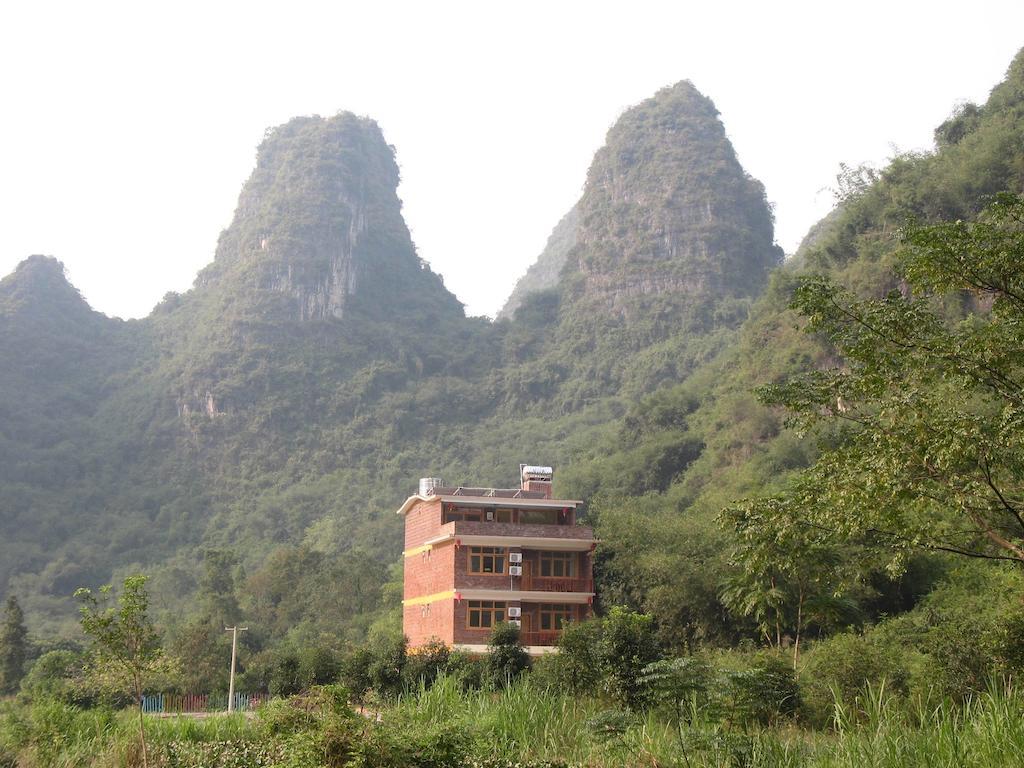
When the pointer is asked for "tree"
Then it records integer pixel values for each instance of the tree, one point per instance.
(217, 588)
(576, 665)
(13, 646)
(506, 657)
(927, 406)
(125, 652)
(626, 647)
(787, 577)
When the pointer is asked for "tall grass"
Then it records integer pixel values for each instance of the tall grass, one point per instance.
(527, 724)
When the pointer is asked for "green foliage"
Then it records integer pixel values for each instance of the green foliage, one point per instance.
(56, 675)
(576, 667)
(506, 658)
(842, 667)
(13, 646)
(679, 683)
(355, 672)
(388, 666)
(626, 647)
(125, 651)
(932, 457)
(766, 692)
(125, 654)
(285, 671)
(427, 663)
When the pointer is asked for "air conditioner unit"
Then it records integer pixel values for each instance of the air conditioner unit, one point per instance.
(515, 557)
(514, 613)
(515, 622)
(490, 515)
(515, 570)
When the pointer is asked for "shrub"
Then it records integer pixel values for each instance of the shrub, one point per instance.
(506, 657)
(844, 665)
(424, 664)
(678, 683)
(468, 671)
(355, 672)
(627, 644)
(318, 666)
(764, 693)
(387, 667)
(576, 667)
(56, 675)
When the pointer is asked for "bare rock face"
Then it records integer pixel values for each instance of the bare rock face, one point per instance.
(322, 295)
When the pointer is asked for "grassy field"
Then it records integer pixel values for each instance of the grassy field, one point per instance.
(522, 726)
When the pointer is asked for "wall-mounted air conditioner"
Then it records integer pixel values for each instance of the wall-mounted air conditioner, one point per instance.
(515, 570)
(490, 515)
(514, 612)
(515, 622)
(515, 557)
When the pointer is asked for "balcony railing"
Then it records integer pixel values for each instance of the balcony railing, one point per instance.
(487, 528)
(539, 638)
(555, 584)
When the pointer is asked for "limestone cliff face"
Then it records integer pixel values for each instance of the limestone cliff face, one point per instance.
(319, 222)
(544, 273)
(668, 210)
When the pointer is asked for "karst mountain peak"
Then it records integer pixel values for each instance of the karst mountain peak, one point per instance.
(667, 210)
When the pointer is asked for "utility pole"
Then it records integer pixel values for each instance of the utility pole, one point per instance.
(234, 653)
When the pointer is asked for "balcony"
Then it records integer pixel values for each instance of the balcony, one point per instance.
(539, 638)
(483, 528)
(555, 584)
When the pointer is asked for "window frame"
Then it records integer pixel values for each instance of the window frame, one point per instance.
(495, 611)
(557, 614)
(459, 514)
(485, 553)
(568, 561)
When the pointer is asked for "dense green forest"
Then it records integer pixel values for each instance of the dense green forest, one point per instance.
(810, 462)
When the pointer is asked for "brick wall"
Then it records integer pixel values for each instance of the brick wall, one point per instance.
(430, 572)
(421, 623)
(422, 522)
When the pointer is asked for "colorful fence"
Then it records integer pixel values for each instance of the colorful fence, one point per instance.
(181, 703)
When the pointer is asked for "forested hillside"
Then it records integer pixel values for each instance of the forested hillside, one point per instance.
(276, 414)
(667, 550)
(252, 437)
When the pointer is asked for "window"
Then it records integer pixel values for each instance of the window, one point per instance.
(538, 516)
(554, 616)
(484, 614)
(487, 560)
(503, 515)
(557, 564)
(462, 514)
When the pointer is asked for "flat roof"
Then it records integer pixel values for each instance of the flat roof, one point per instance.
(491, 500)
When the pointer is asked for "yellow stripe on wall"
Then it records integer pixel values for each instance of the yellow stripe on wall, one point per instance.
(416, 550)
(430, 598)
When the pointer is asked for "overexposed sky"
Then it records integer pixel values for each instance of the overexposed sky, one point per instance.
(127, 129)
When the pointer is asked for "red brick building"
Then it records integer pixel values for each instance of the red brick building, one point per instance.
(475, 557)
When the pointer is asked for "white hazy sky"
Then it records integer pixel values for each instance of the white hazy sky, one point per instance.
(127, 129)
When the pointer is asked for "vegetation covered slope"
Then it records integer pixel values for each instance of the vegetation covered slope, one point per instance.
(665, 549)
(318, 366)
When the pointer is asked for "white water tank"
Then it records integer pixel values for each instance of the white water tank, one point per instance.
(428, 484)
